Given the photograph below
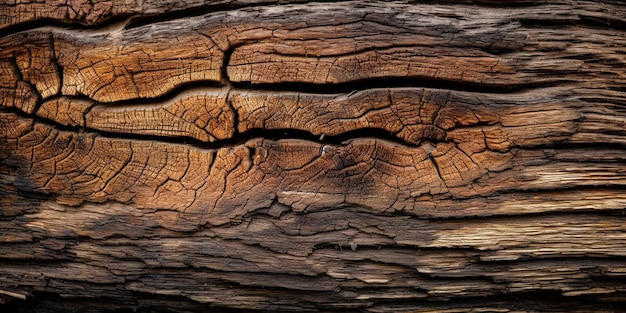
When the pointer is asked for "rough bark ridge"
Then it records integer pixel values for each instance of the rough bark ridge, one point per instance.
(313, 156)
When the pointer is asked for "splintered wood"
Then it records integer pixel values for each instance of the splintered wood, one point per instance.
(378, 156)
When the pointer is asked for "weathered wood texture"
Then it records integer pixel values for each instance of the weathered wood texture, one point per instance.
(313, 156)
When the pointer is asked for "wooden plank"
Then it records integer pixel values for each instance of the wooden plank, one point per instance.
(377, 156)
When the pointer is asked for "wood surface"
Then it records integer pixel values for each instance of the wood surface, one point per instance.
(312, 156)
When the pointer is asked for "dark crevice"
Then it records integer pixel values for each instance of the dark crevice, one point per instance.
(57, 68)
(54, 60)
(607, 100)
(17, 71)
(432, 159)
(525, 193)
(606, 185)
(592, 261)
(400, 82)
(235, 115)
(349, 88)
(239, 139)
(227, 56)
(226, 81)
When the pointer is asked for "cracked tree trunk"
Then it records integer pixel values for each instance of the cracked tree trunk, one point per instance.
(263, 155)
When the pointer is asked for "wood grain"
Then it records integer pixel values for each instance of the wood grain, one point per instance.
(377, 156)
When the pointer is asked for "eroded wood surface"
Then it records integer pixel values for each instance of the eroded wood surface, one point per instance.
(313, 156)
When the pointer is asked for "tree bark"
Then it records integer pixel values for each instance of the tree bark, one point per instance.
(301, 156)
